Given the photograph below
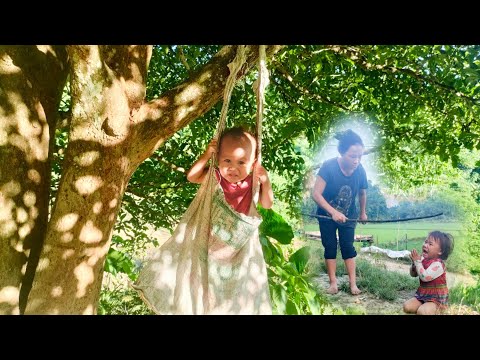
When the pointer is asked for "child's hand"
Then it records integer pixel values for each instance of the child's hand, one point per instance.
(211, 148)
(414, 255)
(261, 174)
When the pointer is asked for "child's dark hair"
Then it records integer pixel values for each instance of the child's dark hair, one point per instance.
(346, 139)
(446, 242)
(237, 132)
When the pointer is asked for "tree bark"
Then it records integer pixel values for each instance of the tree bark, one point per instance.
(111, 133)
(31, 83)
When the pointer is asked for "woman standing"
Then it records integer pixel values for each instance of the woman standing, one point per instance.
(338, 182)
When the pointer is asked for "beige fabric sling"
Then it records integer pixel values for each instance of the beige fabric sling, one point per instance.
(213, 263)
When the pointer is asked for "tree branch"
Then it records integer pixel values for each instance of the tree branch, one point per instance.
(172, 166)
(356, 56)
(181, 55)
(303, 90)
(159, 119)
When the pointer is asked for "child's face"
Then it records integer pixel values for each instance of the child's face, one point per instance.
(236, 158)
(431, 248)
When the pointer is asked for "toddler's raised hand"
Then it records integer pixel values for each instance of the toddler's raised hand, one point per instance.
(414, 255)
(261, 174)
(211, 148)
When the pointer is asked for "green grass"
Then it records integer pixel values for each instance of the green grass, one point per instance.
(397, 232)
(411, 235)
(121, 301)
(380, 282)
(466, 295)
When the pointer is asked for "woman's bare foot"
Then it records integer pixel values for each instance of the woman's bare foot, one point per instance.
(333, 289)
(355, 290)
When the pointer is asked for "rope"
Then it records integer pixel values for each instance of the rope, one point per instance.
(376, 221)
(259, 87)
(234, 68)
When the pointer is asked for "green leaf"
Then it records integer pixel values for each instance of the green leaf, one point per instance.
(279, 298)
(275, 226)
(291, 308)
(300, 258)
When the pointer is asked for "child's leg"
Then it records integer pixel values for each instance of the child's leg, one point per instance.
(411, 306)
(428, 308)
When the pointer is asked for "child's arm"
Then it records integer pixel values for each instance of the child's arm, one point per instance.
(266, 192)
(414, 255)
(432, 272)
(199, 170)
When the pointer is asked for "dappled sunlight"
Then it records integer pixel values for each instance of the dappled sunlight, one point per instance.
(34, 176)
(135, 89)
(97, 207)
(67, 222)
(29, 198)
(9, 295)
(33, 212)
(113, 203)
(66, 237)
(68, 254)
(189, 94)
(89, 310)
(187, 100)
(23, 231)
(10, 189)
(85, 277)
(31, 135)
(56, 291)
(88, 184)
(87, 158)
(43, 264)
(8, 228)
(34, 150)
(7, 225)
(22, 215)
(3, 137)
(206, 76)
(96, 254)
(8, 67)
(90, 234)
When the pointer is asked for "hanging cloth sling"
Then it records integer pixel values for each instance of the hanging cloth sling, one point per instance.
(213, 262)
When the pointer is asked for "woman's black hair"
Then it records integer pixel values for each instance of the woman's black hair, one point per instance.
(346, 139)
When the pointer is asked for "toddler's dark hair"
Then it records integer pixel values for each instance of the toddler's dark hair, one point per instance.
(346, 139)
(446, 242)
(237, 132)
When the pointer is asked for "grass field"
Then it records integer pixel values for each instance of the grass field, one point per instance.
(402, 235)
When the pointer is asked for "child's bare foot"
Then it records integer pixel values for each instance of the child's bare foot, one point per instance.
(355, 290)
(333, 289)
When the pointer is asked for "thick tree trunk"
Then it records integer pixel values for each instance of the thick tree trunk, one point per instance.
(111, 134)
(31, 83)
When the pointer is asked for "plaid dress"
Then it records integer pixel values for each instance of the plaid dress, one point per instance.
(436, 290)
